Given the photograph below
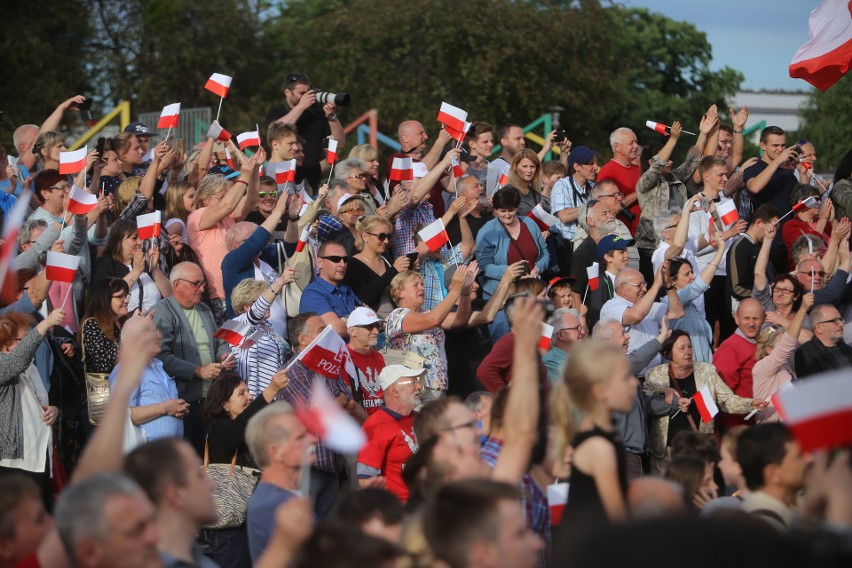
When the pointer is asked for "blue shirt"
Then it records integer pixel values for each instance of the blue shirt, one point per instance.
(260, 516)
(321, 297)
(555, 360)
(156, 387)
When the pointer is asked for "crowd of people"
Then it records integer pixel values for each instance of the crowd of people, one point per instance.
(529, 392)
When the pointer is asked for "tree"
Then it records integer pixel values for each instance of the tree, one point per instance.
(828, 122)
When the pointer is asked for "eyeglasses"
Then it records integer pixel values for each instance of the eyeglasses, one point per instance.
(195, 283)
(640, 285)
(335, 259)
(670, 227)
(836, 321)
(121, 297)
(471, 424)
(408, 382)
(353, 210)
(263, 194)
(783, 290)
(358, 176)
(820, 273)
(381, 236)
(615, 195)
(59, 187)
(576, 328)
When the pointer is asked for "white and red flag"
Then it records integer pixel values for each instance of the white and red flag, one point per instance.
(303, 239)
(12, 224)
(327, 355)
(402, 169)
(546, 335)
(659, 127)
(229, 159)
(149, 225)
(458, 135)
(593, 273)
(705, 404)
(557, 498)
(331, 151)
(455, 167)
(61, 267)
(248, 139)
(818, 410)
(504, 179)
(251, 339)
(809, 202)
(452, 116)
(727, 212)
(285, 172)
(169, 117)
(219, 84)
(233, 331)
(434, 235)
(542, 218)
(330, 423)
(81, 201)
(72, 162)
(827, 55)
(217, 132)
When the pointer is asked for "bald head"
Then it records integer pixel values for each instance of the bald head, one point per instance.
(749, 317)
(412, 137)
(653, 497)
(24, 137)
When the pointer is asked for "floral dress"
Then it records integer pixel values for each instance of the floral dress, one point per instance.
(428, 344)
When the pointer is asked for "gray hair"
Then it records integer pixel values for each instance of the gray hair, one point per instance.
(605, 327)
(557, 320)
(800, 247)
(583, 215)
(261, 431)
(79, 513)
(664, 219)
(613, 138)
(27, 231)
(235, 232)
(601, 188)
(180, 271)
(344, 168)
(476, 400)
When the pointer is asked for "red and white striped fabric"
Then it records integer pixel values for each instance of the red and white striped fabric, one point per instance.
(542, 218)
(809, 202)
(248, 139)
(455, 167)
(303, 239)
(61, 267)
(705, 404)
(331, 151)
(149, 225)
(251, 339)
(818, 410)
(504, 179)
(827, 56)
(434, 235)
(458, 135)
(593, 273)
(233, 331)
(216, 132)
(330, 423)
(545, 337)
(402, 169)
(72, 162)
(219, 84)
(658, 127)
(12, 224)
(285, 172)
(452, 116)
(727, 212)
(81, 201)
(170, 116)
(557, 498)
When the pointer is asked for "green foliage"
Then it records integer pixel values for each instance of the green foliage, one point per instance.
(828, 123)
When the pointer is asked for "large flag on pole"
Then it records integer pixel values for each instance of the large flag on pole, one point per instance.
(826, 57)
(327, 355)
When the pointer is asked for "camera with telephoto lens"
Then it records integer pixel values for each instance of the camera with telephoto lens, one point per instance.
(325, 97)
(628, 215)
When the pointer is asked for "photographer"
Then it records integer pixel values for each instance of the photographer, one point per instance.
(314, 121)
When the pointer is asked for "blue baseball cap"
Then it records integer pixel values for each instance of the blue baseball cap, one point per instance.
(613, 242)
(223, 170)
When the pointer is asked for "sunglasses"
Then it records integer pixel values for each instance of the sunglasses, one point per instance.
(372, 326)
(263, 194)
(381, 236)
(336, 259)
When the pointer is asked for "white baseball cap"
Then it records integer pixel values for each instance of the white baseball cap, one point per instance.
(392, 373)
(362, 316)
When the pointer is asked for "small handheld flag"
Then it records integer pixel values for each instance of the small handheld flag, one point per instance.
(219, 84)
(217, 132)
(61, 267)
(148, 225)
(81, 201)
(170, 116)
(247, 139)
(452, 116)
(73, 162)
(434, 235)
(663, 129)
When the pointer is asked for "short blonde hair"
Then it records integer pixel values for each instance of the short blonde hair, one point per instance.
(364, 152)
(125, 192)
(209, 186)
(246, 293)
(767, 339)
(368, 224)
(351, 203)
(262, 431)
(399, 281)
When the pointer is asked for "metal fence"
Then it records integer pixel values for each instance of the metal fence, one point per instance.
(192, 126)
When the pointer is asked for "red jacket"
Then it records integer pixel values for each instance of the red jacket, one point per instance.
(734, 361)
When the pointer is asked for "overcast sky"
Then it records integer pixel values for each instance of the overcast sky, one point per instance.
(756, 37)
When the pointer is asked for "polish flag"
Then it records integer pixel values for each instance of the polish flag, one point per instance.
(593, 272)
(303, 239)
(327, 355)
(810, 202)
(451, 116)
(217, 132)
(455, 167)
(72, 162)
(229, 159)
(557, 498)
(330, 423)
(81, 201)
(727, 212)
(504, 179)
(251, 339)
(544, 338)
(13, 222)
(659, 127)
(818, 410)
(247, 139)
(542, 218)
(219, 84)
(233, 331)
(458, 135)
(434, 235)
(303, 195)
(169, 117)
(148, 225)
(402, 169)
(706, 405)
(285, 172)
(826, 57)
(61, 267)
(331, 151)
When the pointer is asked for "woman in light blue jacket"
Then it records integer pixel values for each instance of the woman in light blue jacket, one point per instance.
(508, 239)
